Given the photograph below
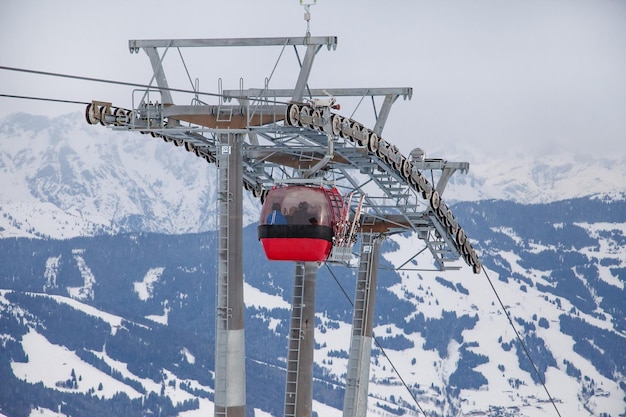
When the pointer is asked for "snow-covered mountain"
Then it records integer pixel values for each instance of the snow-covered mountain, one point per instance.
(88, 294)
(533, 179)
(62, 178)
(97, 310)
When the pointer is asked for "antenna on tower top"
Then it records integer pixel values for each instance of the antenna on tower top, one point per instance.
(307, 14)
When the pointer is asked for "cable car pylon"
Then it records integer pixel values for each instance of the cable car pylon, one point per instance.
(357, 375)
(267, 136)
(230, 378)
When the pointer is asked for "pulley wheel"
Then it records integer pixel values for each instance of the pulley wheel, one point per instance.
(345, 129)
(442, 212)
(461, 237)
(335, 123)
(416, 180)
(467, 249)
(474, 258)
(293, 114)
(382, 145)
(365, 137)
(453, 228)
(90, 114)
(435, 201)
(304, 112)
(398, 161)
(372, 144)
(316, 120)
(120, 116)
(406, 169)
(104, 111)
(356, 132)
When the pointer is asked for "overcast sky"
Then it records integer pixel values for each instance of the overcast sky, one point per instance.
(537, 75)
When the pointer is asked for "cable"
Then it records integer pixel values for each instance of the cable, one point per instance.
(378, 343)
(102, 80)
(519, 339)
(56, 100)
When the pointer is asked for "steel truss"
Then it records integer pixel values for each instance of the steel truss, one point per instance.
(279, 135)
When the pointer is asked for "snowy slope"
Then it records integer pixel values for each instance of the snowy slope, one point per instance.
(491, 330)
(561, 279)
(63, 178)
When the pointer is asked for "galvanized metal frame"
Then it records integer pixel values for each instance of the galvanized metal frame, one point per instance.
(265, 151)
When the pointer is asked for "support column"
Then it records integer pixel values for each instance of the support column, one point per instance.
(230, 376)
(299, 385)
(305, 71)
(159, 74)
(357, 379)
(384, 113)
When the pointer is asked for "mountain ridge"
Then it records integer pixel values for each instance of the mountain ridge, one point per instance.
(87, 180)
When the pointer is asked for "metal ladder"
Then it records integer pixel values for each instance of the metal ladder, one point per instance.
(360, 302)
(293, 351)
(223, 310)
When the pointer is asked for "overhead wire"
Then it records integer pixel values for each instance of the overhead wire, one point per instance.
(56, 100)
(125, 83)
(521, 341)
(517, 334)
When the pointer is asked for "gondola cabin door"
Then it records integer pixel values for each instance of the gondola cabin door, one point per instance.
(298, 222)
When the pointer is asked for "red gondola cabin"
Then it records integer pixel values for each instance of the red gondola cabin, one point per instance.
(298, 222)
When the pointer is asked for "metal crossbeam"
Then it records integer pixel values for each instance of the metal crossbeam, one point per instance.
(405, 92)
(136, 44)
